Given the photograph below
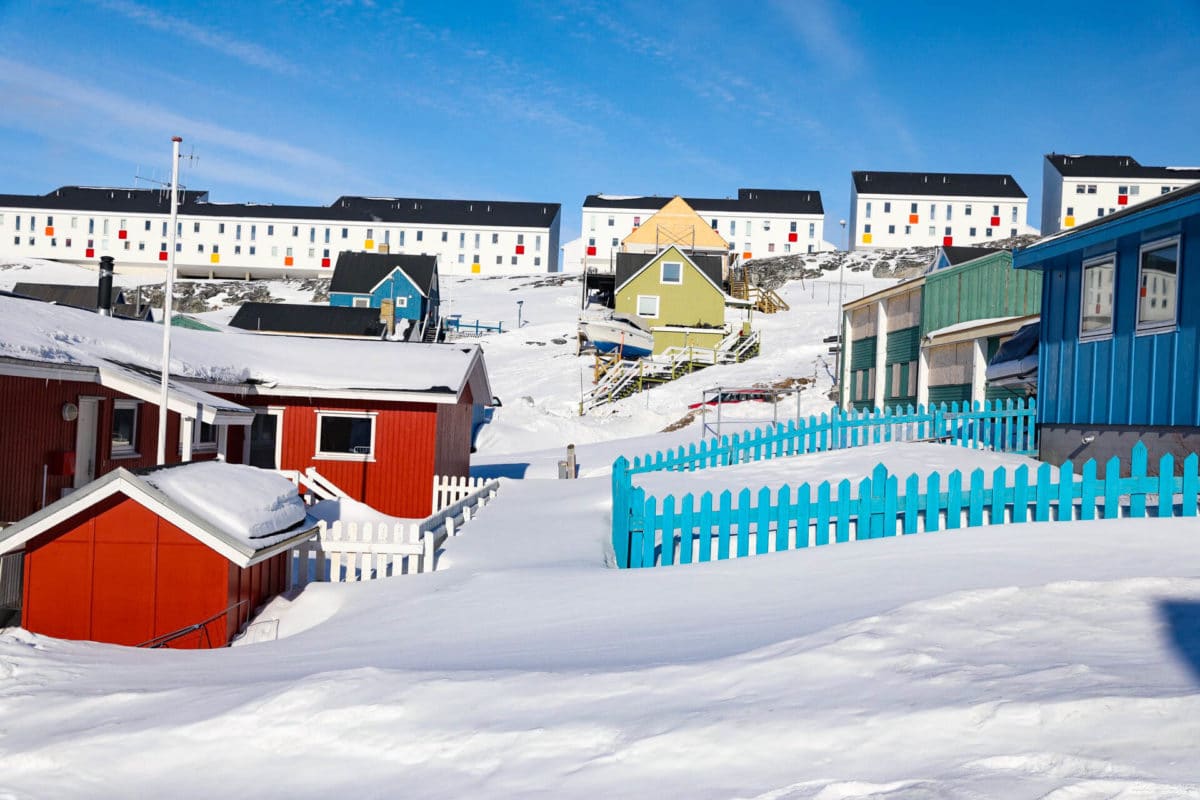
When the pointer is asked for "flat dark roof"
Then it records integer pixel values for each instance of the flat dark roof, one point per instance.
(754, 201)
(944, 184)
(1081, 166)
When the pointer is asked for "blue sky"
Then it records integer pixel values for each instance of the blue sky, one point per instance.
(304, 101)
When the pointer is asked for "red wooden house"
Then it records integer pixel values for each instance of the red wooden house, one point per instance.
(179, 555)
(79, 395)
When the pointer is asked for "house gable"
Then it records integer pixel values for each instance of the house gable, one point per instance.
(676, 223)
(694, 301)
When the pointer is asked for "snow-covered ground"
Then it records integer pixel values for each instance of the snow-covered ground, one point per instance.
(1036, 661)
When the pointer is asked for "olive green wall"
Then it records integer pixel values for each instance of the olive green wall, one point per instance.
(695, 302)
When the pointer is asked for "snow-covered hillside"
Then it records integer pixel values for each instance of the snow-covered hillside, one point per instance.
(1042, 660)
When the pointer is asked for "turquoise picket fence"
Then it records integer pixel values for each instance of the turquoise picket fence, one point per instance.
(1003, 425)
(670, 530)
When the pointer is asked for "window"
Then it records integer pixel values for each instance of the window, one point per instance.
(275, 251)
(499, 259)
(672, 272)
(812, 230)
(476, 241)
(1012, 232)
(537, 243)
(867, 228)
(164, 227)
(237, 249)
(252, 249)
(792, 226)
(907, 229)
(1158, 266)
(1014, 215)
(638, 221)
(287, 252)
(495, 238)
(947, 233)
(787, 248)
(1122, 190)
(891, 228)
(204, 437)
(1070, 211)
(714, 224)
(972, 232)
(766, 224)
(733, 227)
(887, 208)
(932, 230)
(237, 232)
(987, 232)
(647, 305)
(933, 211)
(611, 221)
(1079, 188)
(462, 259)
(445, 236)
(462, 239)
(420, 236)
(296, 230)
(615, 241)
(401, 302)
(1091, 189)
(402, 238)
(346, 233)
(123, 437)
(514, 261)
(147, 225)
(271, 231)
(867, 208)
(1134, 191)
(913, 208)
(1099, 212)
(770, 247)
(537, 261)
(346, 436)
(967, 210)
(220, 226)
(362, 302)
(195, 227)
(1095, 318)
(949, 212)
(995, 211)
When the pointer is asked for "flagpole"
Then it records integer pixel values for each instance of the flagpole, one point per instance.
(168, 301)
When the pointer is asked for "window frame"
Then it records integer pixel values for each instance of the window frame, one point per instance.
(1097, 335)
(1158, 327)
(657, 306)
(662, 274)
(323, 455)
(129, 450)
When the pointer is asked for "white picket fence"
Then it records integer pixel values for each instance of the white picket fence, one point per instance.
(347, 552)
(449, 489)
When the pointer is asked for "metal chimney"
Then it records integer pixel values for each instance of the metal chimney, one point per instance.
(105, 289)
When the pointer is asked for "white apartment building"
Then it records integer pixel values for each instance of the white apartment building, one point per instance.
(760, 223)
(1078, 189)
(80, 224)
(934, 209)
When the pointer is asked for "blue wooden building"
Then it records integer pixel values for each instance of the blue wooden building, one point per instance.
(410, 282)
(1119, 356)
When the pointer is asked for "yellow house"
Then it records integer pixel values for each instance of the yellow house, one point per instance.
(676, 295)
(676, 223)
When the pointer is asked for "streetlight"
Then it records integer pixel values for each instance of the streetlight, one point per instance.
(519, 304)
(837, 362)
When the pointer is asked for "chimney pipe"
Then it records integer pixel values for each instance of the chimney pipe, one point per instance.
(105, 290)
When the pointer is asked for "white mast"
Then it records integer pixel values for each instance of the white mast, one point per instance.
(168, 298)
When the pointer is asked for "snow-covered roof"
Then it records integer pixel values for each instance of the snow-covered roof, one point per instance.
(973, 324)
(43, 334)
(244, 513)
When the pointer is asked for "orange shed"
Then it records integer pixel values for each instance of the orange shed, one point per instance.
(180, 555)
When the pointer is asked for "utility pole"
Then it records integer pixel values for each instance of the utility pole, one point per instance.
(837, 375)
(168, 302)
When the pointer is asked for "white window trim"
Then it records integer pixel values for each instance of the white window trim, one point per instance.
(653, 297)
(401, 302)
(319, 454)
(131, 450)
(1158, 327)
(662, 273)
(361, 302)
(1093, 336)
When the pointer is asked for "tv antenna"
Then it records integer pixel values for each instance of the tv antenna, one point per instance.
(164, 185)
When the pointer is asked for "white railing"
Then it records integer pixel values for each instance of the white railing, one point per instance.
(348, 552)
(318, 486)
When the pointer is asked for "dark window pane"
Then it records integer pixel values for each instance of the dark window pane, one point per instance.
(346, 435)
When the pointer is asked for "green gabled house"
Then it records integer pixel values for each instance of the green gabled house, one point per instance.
(676, 295)
(928, 339)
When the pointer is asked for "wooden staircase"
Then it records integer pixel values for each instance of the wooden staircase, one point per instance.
(615, 379)
(766, 301)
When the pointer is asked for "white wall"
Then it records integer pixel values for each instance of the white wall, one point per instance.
(262, 246)
(1081, 200)
(760, 235)
(969, 220)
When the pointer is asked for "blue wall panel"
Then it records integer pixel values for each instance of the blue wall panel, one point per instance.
(1125, 379)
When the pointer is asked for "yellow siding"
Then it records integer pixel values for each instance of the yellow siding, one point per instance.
(695, 302)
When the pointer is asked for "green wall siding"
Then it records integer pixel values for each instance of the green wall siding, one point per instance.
(862, 353)
(951, 393)
(903, 345)
(981, 289)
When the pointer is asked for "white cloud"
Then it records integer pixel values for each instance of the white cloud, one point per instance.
(246, 52)
(815, 23)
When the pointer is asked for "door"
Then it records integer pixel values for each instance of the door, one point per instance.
(86, 426)
(263, 441)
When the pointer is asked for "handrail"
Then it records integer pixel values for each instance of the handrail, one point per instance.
(167, 638)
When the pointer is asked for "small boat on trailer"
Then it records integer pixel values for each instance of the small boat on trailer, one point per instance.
(618, 333)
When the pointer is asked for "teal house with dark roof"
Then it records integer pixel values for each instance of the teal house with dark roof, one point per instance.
(408, 282)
